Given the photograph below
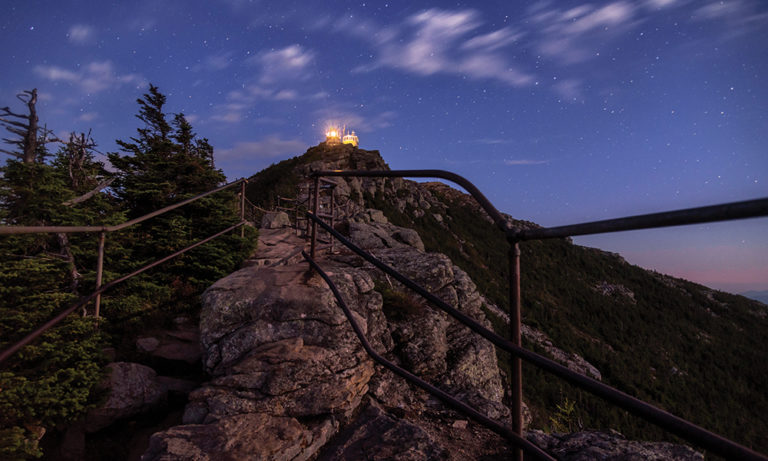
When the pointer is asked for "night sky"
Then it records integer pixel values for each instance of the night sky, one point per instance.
(560, 112)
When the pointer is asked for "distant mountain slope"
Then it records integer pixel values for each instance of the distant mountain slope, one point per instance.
(761, 296)
(696, 352)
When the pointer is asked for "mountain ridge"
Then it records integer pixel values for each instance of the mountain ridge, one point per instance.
(649, 334)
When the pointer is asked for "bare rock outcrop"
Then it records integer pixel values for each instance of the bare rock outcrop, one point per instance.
(285, 363)
(132, 389)
(275, 220)
(610, 446)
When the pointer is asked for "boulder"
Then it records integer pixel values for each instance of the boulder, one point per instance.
(180, 343)
(275, 220)
(284, 362)
(132, 389)
(377, 435)
(609, 446)
(375, 235)
(253, 436)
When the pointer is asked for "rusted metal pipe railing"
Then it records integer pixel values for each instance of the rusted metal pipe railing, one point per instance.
(723, 212)
(242, 205)
(315, 209)
(515, 321)
(80, 229)
(674, 424)
(102, 230)
(99, 273)
(497, 217)
(437, 392)
(678, 426)
(4, 355)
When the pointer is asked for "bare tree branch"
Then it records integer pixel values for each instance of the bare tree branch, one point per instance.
(13, 122)
(8, 111)
(15, 154)
(90, 194)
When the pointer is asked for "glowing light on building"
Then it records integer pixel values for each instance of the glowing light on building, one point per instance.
(350, 138)
(333, 135)
(337, 135)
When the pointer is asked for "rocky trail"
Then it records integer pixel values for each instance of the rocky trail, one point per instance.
(274, 371)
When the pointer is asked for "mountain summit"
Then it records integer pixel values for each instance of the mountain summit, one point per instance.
(283, 359)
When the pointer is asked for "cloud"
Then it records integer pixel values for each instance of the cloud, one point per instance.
(493, 141)
(240, 101)
(289, 63)
(231, 116)
(218, 61)
(739, 16)
(286, 95)
(438, 41)
(88, 116)
(340, 115)
(95, 77)
(613, 14)
(570, 35)
(246, 158)
(80, 34)
(569, 89)
(515, 162)
(493, 40)
(662, 3)
(271, 147)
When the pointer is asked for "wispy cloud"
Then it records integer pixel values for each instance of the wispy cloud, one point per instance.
(80, 34)
(740, 16)
(493, 141)
(289, 63)
(245, 158)
(95, 77)
(240, 101)
(337, 114)
(569, 89)
(88, 116)
(663, 3)
(568, 35)
(438, 41)
(218, 61)
(272, 146)
(515, 162)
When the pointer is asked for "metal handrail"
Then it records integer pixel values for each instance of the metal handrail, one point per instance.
(88, 298)
(655, 415)
(497, 217)
(723, 212)
(661, 418)
(437, 392)
(116, 227)
(96, 295)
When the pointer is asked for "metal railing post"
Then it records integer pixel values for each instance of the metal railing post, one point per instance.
(242, 207)
(99, 272)
(333, 216)
(315, 208)
(514, 321)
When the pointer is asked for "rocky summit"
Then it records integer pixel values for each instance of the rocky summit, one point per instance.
(288, 378)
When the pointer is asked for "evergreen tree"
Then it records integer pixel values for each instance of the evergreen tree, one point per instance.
(52, 381)
(164, 164)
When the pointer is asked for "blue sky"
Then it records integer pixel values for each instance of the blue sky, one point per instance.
(560, 112)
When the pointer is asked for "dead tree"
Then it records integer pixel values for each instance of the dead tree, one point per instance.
(24, 126)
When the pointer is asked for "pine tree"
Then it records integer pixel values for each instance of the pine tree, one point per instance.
(52, 381)
(163, 164)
